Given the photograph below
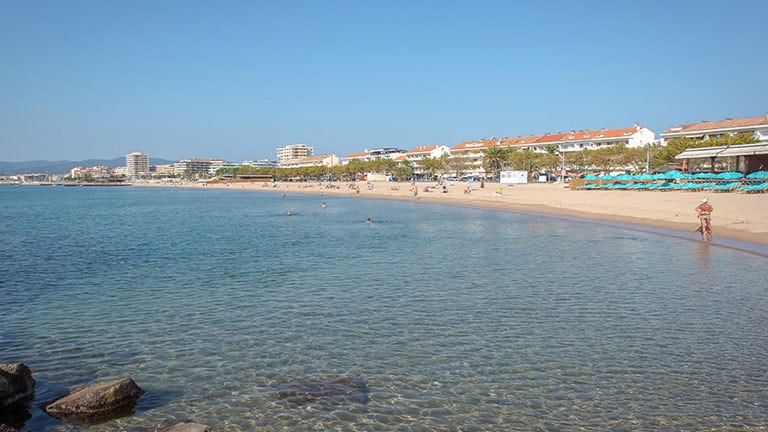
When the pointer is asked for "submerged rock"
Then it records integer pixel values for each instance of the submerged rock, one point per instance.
(326, 392)
(4, 428)
(16, 383)
(98, 402)
(188, 427)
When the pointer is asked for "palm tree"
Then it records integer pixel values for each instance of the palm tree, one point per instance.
(432, 165)
(494, 158)
(403, 170)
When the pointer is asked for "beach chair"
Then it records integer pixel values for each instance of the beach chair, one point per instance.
(760, 188)
(725, 187)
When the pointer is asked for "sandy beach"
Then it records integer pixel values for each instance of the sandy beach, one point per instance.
(737, 216)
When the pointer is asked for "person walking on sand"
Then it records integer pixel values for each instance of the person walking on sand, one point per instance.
(704, 210)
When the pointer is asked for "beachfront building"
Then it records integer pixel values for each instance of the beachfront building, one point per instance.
(472, 152)
(136, 165)
(90, 172)
(327, 160)
(573, 141)
(471, 155)
(261, 164)
(757, 126)
(745, 158)
(417, 154)
(373, 154)
(197, 167)
(293, 151)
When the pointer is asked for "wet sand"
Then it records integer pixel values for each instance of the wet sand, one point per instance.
(738, 216)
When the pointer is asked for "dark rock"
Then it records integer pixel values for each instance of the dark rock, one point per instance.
(16, 383)
(15, 416)
(4, 428)
(325, 392)
(98, 402)
(188, 427)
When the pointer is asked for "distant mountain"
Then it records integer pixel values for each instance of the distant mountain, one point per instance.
(63, 167)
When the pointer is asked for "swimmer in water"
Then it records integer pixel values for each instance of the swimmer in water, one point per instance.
(368, 220)
(323, 205)
(289, 213)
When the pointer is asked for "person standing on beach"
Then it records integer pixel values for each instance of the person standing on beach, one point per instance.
(704, 210)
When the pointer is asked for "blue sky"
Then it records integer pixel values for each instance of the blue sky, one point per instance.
(237, 79)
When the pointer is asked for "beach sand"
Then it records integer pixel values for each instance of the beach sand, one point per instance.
(737, 216)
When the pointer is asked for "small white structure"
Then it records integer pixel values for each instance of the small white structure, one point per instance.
(513, 177)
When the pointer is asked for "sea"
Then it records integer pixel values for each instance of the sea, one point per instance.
(450, 318)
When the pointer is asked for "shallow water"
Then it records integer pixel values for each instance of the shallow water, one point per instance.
(455, 318)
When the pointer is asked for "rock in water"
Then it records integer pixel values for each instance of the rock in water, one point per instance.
(188, 427)
(98, 402)
(325, 392)
(16, 383)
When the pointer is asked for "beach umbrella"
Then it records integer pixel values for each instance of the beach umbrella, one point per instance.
(645, 177)
(659, 176)
(703, 175)
(729, 175)
(624, 177)
(674, 174)
(591, 177)
(758, 175)
(606, 177)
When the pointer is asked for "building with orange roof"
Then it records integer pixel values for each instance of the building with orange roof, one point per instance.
(573, 141)
(471, 154)
(417, 154)
(757, 126)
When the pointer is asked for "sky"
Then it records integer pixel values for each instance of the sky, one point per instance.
(235, 80)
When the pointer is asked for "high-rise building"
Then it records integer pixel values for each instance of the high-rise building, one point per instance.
(137, 165)
(294, 151)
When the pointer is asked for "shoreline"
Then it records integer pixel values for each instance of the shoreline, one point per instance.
(737, 216)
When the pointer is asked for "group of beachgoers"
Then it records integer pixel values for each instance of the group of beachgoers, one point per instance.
(368, 220)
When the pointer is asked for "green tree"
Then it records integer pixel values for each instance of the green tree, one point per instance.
(403, 170)
(494, 159)
(431, 165)
(458, 165)
(524, 160)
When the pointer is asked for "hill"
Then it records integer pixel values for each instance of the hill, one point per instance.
(63, 167)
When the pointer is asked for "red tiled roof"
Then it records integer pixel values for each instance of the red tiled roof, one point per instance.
(520, 141)
(719, 124)
(587, 135)
(357, 155)
(472, 145)
(422, 149)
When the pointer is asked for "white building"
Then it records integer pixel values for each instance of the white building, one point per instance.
(757, 126)
(573, 141)
(294, 151)
(327, 160)
(373, 154)
(136, 165)
(197, 167)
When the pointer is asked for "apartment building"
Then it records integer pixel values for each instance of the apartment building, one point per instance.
(136, 165)
(327, 160)
(757, 126)
(373, 154)
(197, 167)
(294, 151)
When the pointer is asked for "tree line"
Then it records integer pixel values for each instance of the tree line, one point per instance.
(496, 159)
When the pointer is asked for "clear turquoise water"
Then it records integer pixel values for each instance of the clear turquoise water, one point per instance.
(457, 319)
